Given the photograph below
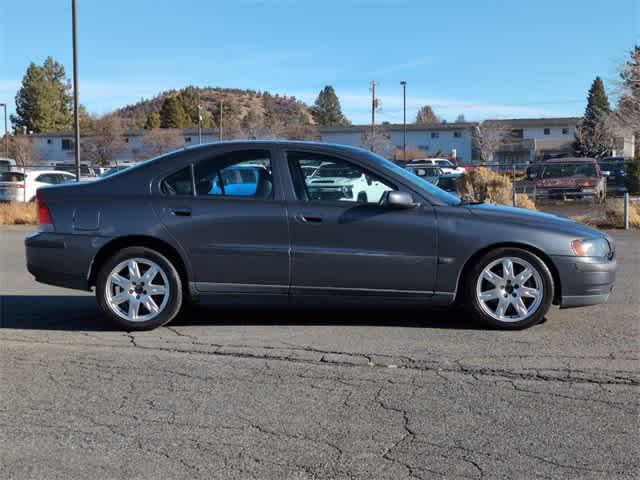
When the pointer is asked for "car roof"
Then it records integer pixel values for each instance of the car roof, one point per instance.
(572, 160)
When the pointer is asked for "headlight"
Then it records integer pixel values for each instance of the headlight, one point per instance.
(595, 247)
(347, 190)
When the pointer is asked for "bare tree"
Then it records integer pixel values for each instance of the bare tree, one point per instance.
(379, 142)
(23, 151)
(626, 118)
(158, 141)
(105, 142)
(488, 137)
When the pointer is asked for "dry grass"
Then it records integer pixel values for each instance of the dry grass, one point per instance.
(17, 213)
(612, 216)
(482, 184)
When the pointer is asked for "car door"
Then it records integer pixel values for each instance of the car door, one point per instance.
(342, 244)
(235, 234)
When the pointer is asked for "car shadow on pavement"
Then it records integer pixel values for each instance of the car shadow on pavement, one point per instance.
(81, 313)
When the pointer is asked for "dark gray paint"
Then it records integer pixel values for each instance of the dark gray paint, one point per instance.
(246, 246)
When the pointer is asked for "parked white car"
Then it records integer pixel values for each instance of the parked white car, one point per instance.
(342, 183)
(22, 187)
(445, 165)
(7, 165)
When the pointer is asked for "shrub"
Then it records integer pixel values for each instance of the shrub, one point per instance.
(633, 175)
(484, 185)
(18, 214)
(613, 215)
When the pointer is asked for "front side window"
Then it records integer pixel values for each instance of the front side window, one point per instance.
(238, 174)
(319, 177)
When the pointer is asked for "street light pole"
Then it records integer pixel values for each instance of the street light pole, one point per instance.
(404, 120)
(76, 117)
(6, 131)
(373, 115)
(220, 129)
(199, 120)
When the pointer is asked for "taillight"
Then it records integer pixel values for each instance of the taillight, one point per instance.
(44, 215)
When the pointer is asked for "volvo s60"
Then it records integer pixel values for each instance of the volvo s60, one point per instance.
(249, 222)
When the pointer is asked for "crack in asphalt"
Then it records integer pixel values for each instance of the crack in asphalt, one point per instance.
(341, 358)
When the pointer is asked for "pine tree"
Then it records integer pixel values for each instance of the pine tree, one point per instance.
(172, 114)
(597, 104)
(426, 116)
(153, 121)
(592, 136)
(44, 102)
(326, 110)
(189, 99)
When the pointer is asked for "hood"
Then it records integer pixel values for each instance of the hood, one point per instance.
(533, 217)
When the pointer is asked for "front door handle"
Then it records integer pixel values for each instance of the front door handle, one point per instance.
(308, 219)
(181, 212)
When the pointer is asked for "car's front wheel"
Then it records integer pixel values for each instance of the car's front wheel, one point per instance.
(509, 288)
(139, 288)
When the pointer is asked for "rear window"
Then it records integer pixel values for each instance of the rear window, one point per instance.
(11, 177)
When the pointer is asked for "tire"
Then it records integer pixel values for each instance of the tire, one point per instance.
(166, 282)
(492, 311)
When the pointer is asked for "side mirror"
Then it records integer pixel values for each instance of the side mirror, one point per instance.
(401, 200)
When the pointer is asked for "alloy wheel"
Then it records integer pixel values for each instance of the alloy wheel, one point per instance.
(509, 289)
(137, 290)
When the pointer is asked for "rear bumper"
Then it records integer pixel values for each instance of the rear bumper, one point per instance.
(585, 280)
(61, 260)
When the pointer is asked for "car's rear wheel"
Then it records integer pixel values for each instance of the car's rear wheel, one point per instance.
(139, 288)
(509, 288)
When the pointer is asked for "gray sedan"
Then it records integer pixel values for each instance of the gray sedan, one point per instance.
(236, 222)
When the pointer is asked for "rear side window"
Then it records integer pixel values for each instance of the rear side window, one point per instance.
(238, 174)
(178, 183)
(11, 177)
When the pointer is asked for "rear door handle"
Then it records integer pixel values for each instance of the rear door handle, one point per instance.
(181, 212)
(308, 219)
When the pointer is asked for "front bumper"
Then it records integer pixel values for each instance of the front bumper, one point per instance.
(585, 280)
(61, 260)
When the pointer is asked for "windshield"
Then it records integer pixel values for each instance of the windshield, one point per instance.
(563, 170)
(11, 177)
(420, 183)
(445, 164)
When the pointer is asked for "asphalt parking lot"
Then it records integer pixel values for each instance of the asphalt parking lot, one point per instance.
(312, 394)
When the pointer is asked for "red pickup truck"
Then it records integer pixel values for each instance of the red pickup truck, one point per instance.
(576, 178)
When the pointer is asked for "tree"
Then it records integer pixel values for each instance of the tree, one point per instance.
(460, 118)
(251, 124)
(326, 110)
(172, 114)
(158, 141)
(44, 102)
(189, 97)
(378, 141)
(426, 116)
(153, 121)
(488, 137)
(23, 151)
(593, 136)
(105, 141)
(626, 118)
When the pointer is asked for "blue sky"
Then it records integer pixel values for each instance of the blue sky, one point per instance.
(497, 59)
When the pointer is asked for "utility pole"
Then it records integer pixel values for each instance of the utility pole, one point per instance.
(220, 123)
(404, 120)
(199, 119)
(374, 103)
(6, 131)
(76, 117)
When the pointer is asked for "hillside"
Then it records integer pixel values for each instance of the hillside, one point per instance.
(252, 112)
